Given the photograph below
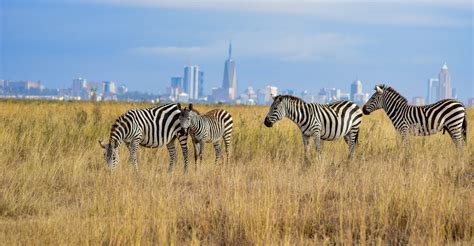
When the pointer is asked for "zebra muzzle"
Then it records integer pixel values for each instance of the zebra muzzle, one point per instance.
(365, 111)
(267, 123)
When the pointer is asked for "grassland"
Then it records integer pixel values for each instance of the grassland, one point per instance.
(55, 188)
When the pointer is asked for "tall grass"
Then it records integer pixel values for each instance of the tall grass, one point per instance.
(55, 188)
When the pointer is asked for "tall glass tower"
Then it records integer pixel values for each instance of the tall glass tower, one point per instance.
(444, 83)
(229, 83)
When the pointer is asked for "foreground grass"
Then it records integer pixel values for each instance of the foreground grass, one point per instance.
(54, 187)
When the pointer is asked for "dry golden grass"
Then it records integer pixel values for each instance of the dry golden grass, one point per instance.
(55, 188)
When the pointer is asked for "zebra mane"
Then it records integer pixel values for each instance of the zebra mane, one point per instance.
(393, 91)
(194, 110)
(290, 97)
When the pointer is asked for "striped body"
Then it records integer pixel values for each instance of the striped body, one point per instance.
(150, 127)
(323, 121)
(211, 127)
(447, 115)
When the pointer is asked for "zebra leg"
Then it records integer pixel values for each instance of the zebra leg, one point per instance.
(183, 141)
(456, 136)
(317, 141)
(172, 152)
(305, 145)
(351, 140)
(227, 137)
(133, 160)
(217, 148)
(201, 151)
(196, 152)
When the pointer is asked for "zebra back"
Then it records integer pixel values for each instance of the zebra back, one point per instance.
(154, 126)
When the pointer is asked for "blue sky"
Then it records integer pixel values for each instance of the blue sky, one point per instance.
(302, 45)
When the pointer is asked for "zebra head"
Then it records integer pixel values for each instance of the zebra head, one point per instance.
(185, 118)
(111, 154)
(276, 112)
(376, 101)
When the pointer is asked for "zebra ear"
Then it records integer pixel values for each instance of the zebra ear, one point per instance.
(190, 106)
(102, 144)
(179, 106)
(378, 89)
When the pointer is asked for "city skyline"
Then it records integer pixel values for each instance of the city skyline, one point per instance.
(297, 45)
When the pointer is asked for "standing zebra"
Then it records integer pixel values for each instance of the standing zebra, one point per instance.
(150, 127)
(208, 128)
(323, 121)
(447, 115)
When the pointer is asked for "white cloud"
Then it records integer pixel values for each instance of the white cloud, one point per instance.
(388, 12)
(285, 47)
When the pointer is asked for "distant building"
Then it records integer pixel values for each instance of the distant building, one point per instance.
(265, 96)
(219, 95)
(78, 86)
(470, 102)
(121, 90)
(249, 97)
(229, 82)
(433, 90)
(445, 89)
(418, 101)
(307, 97)
(328, 95)
(356, 89)
(176, 87)
(344, 96)
(183, 97)
(290, 92)
(191, 81)
(200, 88)
(108, 90)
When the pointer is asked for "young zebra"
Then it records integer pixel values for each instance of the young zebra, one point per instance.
(208, 128)
(323, 121)
(150, 127)
(447, 115)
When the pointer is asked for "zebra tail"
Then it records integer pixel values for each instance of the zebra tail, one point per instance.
(464, 128)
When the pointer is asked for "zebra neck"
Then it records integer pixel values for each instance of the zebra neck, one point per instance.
(196, 123)
(115, 142)
(394, 107)
(293, 111)
(117, 136)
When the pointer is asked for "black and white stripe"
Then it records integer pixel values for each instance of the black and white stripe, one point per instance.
(208, 128)
(447, 115)
(150, 127)
(323, 121)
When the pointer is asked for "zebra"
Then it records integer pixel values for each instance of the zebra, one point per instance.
(323, 121)
(446, 115)
(149, 127)
(210, 127)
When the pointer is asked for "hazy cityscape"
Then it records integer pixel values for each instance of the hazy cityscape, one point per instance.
(190, 87)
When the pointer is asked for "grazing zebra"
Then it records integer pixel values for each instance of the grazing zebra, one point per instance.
(447, 115)
(323, 121)
(150, 127)
(208, 128)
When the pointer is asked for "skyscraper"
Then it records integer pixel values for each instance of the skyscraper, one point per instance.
(229, 83)
(201, 84)
(108, 89)
(356, 90)
(444, 83)
(176, 82)
(191, 81)
(433, 90)
(176, 86)
(79, 87)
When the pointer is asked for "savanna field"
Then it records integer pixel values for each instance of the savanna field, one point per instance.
(55, 187)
